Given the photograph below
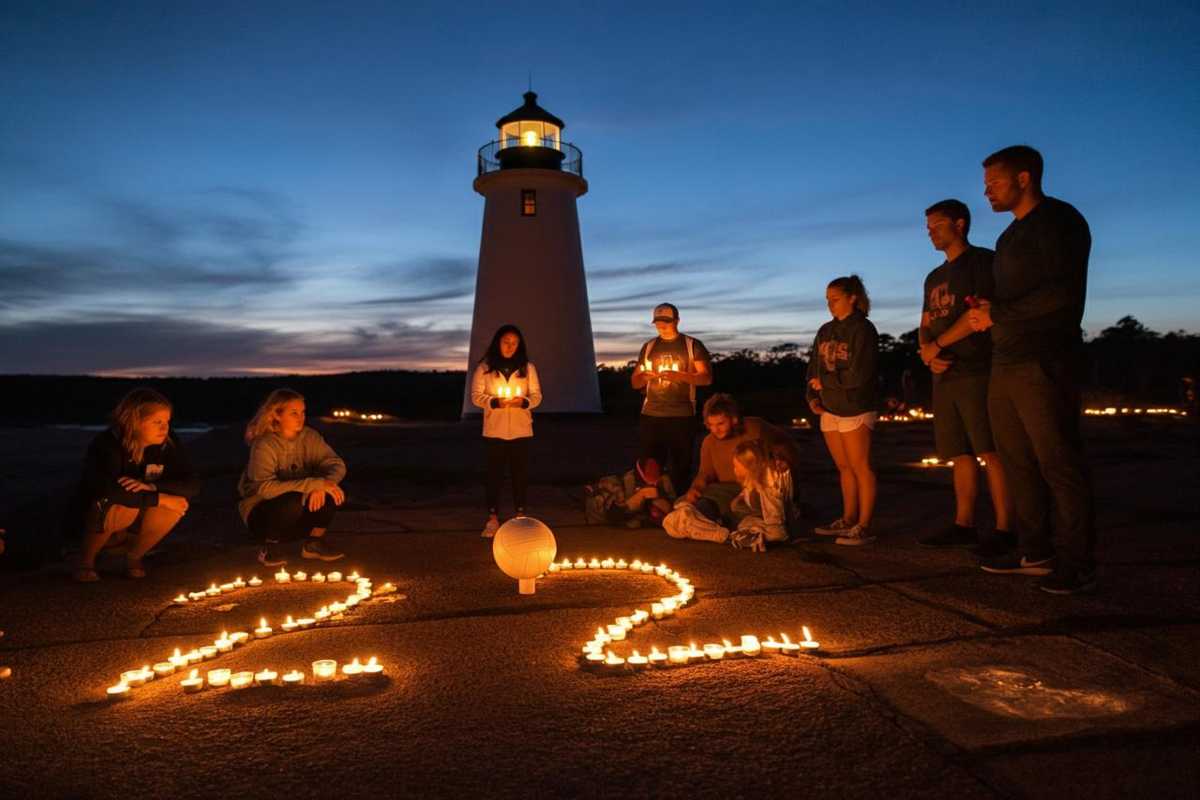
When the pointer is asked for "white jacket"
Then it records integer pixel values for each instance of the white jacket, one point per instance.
(506, 423)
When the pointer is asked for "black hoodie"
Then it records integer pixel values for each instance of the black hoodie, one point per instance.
(844, 357)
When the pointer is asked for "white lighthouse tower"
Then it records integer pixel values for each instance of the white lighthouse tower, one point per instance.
(530, 257)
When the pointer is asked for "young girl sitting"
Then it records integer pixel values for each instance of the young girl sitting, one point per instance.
(765, 507)
(289, 488)
(136, 483)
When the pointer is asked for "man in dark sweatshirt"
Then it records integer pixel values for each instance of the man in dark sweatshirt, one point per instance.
(1040, 269)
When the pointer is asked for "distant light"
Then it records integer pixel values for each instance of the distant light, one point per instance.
(530, 139)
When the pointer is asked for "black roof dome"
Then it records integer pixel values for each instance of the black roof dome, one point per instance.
(530, 112)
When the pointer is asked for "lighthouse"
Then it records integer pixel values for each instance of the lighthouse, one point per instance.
(531, 259)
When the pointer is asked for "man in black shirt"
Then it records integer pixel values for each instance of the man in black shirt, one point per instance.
(1033, 399)
(960, 360)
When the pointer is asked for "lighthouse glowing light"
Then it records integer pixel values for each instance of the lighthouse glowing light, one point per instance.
(531, 259)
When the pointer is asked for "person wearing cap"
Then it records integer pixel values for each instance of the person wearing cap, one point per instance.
(669, 368)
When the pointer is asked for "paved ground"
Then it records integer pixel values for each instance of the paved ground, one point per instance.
(935, 679)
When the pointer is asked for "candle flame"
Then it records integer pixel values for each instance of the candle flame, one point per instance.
(370, 661)
(290, 621)
(224, 635)
(807, 635)
(262, 622)
(786, 640)
(177, 654)
(195, 672)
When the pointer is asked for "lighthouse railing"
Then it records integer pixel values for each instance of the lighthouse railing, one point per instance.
(488, 158)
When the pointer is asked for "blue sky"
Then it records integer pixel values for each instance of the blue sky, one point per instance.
(246, 188)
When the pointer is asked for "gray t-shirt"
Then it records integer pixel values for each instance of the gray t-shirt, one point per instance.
(671, 398)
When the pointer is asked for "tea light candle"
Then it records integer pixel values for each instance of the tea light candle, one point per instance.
(306, 622)
(293, 678)
(592, 647)
(594, 659)
(163, 668)
(657, 610)
(787, 647)
(594, 564)
(772, 647)
(239, 637)
(282, 576)
(212, 591)
(192, 683)
(255, 581)
(714, 652)
(267, 677)
(318, 577)
(322, 613)
(240, 680)
(553, 567)
(353, 600)
(695, 653)
(808, 643)
(612, 660)
(207, 651)
(353, 576)
(635, 565)
(626, 623)
(660, 570)
(621, 564)
(226, 588)
(289, 625)
(224, 643)
(638, 661)
(616, 632)
(647, 569)
(333, 577)
(324, 670)
(193, 596)
(178, 659)
(352, 669)
(219, 677)
(750, 646)
(678, 654)
(607, 563)
(372, 667)
(657, 657)
(580, 564)
(180, 599)
(731, 649)
(299, 575)
(263, 630)
(669, 605)
(133, 678)
(238, 583)
(118, 692)
(337, 608)
(193, 656)
(640, 616)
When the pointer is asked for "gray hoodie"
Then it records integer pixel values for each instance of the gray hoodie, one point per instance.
(278, 466)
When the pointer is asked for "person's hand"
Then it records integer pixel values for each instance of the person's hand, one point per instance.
(315, 500)
(929, 352)
(691, 496)
(134, 485)
(173, 502)
(815, 383)
(981, 317)
(816, 407)
(939, 365)
(335, 491)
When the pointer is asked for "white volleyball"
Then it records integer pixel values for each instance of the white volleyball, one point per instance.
(523, 548)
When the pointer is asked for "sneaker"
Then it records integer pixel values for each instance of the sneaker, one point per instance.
(1069, 581)
(1013, 564)
(835, 528)
(857, 535)
(269, 559)
(952, 536)
(995, 544)
(319, 550)
(748, 539)
(489, 530)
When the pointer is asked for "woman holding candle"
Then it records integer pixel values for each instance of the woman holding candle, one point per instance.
(505, 385)
(843, 391)
(289, 488)
(136, 483)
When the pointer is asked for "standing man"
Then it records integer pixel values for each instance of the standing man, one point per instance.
(669, 368)
(960, 360)
(1033, 400)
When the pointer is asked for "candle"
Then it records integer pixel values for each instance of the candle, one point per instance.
(324, 670)
(669, 604)
(219, 677)
(224, 643)
(695, 653)
(601, 636)
(133, 678)
(518, 391)
(372, 667)
(553, 567)
(771, 646)
(226, 588)
(647, 366)
(318, 578)
(565, 564)
(750, 646)
(163, 668)
(580, 564)
(178, 659)
(212, 590)
(299, 575)
(263, 630)
(612, 660)
(282, 576)
(352, 669)
(193, 656)
(240, 680)
(647, 569)
(731, 649)
(289, 625)
(255, 581)
(621, 564)
(607, 563)
(118, 692)
(239, 637)
(594, 564)
(293, 678)
(808, 643)
(714, 652)
(592, 647)
(594, 659)
(180, 599)
(207, 651)
(333, 577)
(626, 623)
(322, 613)
(788, 647)
(354, 600)
(197, 595)
(678, 654)
(616, 632)
(636, 565)
(266, 677)
(192, 683)
(337, 608)
(306, 622)
(238, 583)
(638, 661)
(353, 577)
(657, 657)
(640, 616)
(657, 611)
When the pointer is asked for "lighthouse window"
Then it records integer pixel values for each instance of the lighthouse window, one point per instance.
(528, 203)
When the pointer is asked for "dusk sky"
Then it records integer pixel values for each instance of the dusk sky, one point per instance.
(206, 189)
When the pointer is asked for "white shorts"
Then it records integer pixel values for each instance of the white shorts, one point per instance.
(832, 422)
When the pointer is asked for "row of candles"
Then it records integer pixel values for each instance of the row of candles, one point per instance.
(323, 671)
(934, 461)
(1113, 411)
(916, 414)
(226, 642)
(508, 392)
(597, 654)
(345, 413)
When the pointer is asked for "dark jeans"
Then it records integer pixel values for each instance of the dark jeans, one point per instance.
(287, 517)
(1034, 411)
(668, 440)
(513, 453)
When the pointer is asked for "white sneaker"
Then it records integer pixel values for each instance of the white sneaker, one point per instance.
(490, 529)
(855, 536)
(835, 528)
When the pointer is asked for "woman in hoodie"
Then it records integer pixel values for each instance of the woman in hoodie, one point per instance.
(505, 385)
(843, 390)
(137, 481)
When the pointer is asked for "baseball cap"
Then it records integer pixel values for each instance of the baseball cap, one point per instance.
(665, 312)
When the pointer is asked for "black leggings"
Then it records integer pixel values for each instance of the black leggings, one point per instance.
(287, 517)
(515, 454)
